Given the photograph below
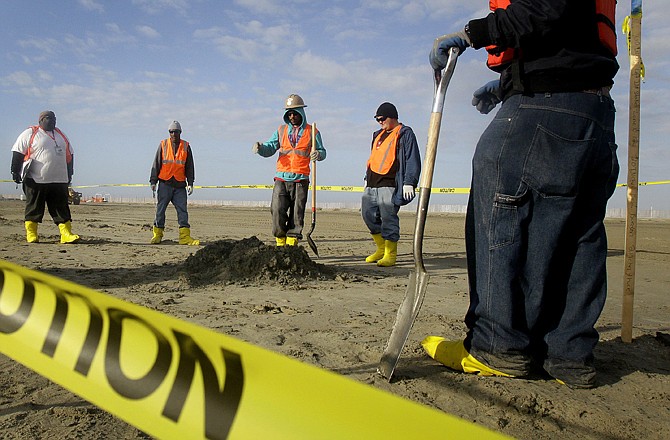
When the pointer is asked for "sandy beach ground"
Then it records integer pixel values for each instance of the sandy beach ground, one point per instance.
(342, 324)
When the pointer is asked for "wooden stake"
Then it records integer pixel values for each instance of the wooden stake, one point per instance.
(633, 164)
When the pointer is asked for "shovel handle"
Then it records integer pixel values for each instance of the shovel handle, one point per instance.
(313, 170)
(442, 79)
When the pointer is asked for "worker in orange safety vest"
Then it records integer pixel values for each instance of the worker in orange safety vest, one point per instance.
(174, 173)
(293, 140)
(391, 178)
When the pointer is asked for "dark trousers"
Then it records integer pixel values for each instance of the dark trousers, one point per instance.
(53, 195)
(536, 246)
(288, 208)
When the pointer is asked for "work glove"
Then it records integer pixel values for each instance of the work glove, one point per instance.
(256, 147)
(408, 192)
(16, 177)
(315, 155)
(487, 97)
(189, 189)
(153, 187)
(439, 55)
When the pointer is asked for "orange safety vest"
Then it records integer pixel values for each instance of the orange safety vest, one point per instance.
(294, 159)
(605, 11)
(383, 152)
(497, 57)
(171, 165)
(35, 128)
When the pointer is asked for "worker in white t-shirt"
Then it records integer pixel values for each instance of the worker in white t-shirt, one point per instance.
(42, 159)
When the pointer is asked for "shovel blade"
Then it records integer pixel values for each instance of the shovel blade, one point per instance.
(407, 313)
(310, 242)
(312, 245)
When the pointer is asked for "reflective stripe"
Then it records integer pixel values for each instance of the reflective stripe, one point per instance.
(294, 159)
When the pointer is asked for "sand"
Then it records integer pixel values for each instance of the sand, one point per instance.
(336, 312)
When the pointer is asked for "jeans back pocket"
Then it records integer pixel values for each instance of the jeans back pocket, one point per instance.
(554, 165)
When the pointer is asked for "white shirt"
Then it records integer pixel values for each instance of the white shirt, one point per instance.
(48, 153)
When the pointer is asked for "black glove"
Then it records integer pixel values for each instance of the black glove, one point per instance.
(16, 177)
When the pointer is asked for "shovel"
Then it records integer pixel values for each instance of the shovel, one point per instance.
(418, 278)
(313, 179)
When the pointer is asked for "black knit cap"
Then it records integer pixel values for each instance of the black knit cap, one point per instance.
(387, 109)
(46, 113)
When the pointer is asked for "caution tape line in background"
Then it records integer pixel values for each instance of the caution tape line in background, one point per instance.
(173, 379)
(318, 187)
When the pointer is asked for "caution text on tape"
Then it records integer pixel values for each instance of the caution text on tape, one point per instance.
(174, 379)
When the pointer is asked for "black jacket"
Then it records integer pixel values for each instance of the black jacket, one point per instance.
(558, 42)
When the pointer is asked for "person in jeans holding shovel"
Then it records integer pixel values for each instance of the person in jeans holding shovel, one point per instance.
(392, 175)
(542, 173)
(293, 140)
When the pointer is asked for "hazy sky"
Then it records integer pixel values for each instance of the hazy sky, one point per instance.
(116, 74)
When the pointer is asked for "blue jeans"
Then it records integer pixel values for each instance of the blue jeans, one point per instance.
(536, 246)
(166, 194)
(379, 212)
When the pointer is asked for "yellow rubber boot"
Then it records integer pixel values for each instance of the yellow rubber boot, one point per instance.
(281, 241)
(379, 253)
(158, 235)
(66, 235)
(453, 354)
(291, 241)
(185, 237)
(390, 254)
(31, 232)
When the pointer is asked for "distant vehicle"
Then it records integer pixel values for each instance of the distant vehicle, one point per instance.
(73, 197)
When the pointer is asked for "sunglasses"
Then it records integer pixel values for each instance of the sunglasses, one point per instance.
(380, 119)
(174, 131)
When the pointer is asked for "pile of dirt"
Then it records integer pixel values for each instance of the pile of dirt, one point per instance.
(250, 260)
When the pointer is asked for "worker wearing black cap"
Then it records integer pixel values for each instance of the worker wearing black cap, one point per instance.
(43, 160)
(392, 175)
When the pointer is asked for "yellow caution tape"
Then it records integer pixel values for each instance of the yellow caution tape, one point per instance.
(319, 187)
(175, 380)
(625, 27)
(450, 190)
(660, 182)
(111, 184)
